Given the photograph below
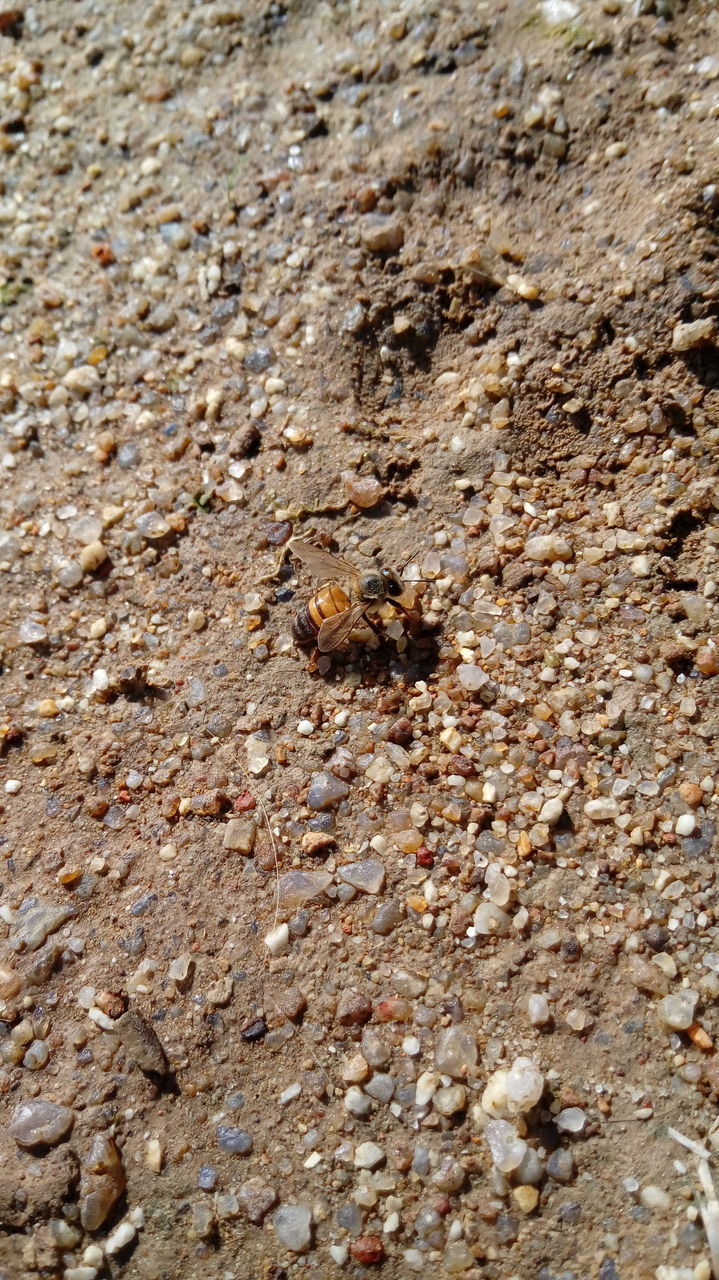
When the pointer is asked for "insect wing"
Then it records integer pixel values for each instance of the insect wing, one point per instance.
(321, 564)
(334, 631)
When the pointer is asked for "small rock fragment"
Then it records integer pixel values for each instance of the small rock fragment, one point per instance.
(141, 1042)
(354, 1009)
(548, 548)
(382, 234)
(527, 1197)
(455, 1052)
(40, 1124)
(236, 1142)
(369, 1250)
(239, 835)
(92, 556)
(368, 875)
(102, 1181)
(255, 1198)
(293, 1226)
(326, 790)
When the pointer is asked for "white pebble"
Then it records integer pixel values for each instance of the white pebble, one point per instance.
(538, 1010)
(548, 548)
(305, 728)
(551, 811)
(602, 810)
(641, 566)
(570, 1120)
(12, 786)
(427, 1085)
(368, 1155)
(685, 824)
(120, 1237)
(653, 1197)
(278, 940)
(677, 1011)
(357, 1102)
(524, 1085)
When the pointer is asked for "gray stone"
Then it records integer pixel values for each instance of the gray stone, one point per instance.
(326, 790)
(367, 875)
(256, 1197)
(40, 1123)
(140, 1042)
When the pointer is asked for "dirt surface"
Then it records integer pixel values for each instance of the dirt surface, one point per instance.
(434, 284)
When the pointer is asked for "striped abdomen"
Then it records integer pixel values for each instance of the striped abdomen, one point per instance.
(327, 603)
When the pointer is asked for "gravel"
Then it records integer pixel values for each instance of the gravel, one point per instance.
(431, 916)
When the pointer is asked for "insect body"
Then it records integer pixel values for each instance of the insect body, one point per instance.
(330, 617)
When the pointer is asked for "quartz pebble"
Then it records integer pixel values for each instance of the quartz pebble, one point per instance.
(571, 1120)
(236, 1142)
(455, 1052)
(39, 1123)
(538, 1010)
(506, 1147)
(368, 875)
(297, 887)
(326, 790)
(123, 1235)
(604, 809)
(692, 334)
(524, 1085)
(293, 1226)
(368, 1155)
(102, 1181)
(491, 921)
(239, 835)
(364, 491)
(548, 548)
(676, 1011)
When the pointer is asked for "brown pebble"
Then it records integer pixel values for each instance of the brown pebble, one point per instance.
(244, 440)
(706, 660)
(400, 732)
(353, 1009)
(315, 842)
(691, 794)
(367, 1250)
(141, 1043)
(102, 1181)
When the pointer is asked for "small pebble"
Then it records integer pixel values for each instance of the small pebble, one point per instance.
(293, 1227)
(236, 1142)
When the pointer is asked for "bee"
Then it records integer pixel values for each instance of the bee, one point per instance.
(330, 617)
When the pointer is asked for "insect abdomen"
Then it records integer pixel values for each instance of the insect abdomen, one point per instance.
(327, 603)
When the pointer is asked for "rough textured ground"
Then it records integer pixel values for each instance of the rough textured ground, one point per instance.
(435, 283)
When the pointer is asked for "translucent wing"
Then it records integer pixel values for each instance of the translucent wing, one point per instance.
(334, 631)
(321, 564)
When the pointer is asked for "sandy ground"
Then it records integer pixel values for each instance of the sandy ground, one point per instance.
(404, 960)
